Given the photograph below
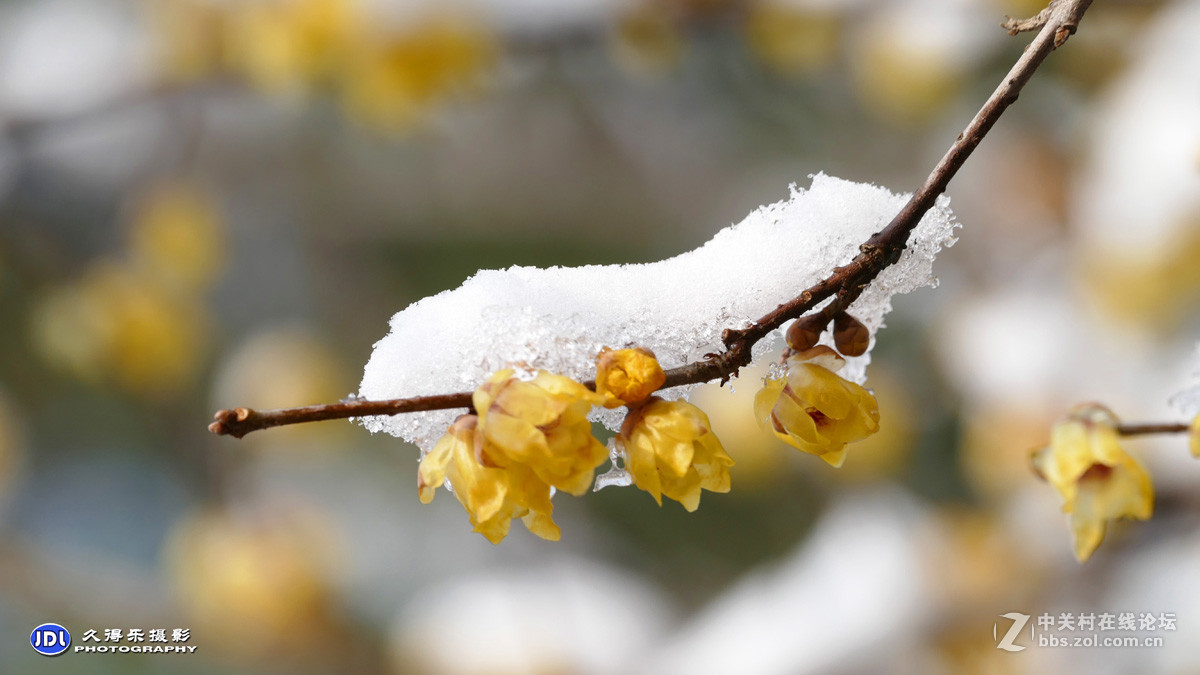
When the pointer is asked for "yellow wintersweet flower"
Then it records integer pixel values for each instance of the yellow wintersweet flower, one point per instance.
(627, 376)
(793, 40)
(672, 451)
(178, 237)
(814, 410)
(900, 77)
(291, 45)
(647, 40)
(541, 423)
(393, 79)
(257, 577)
(119, 322)
(1097, 479)
(492, 495)
(187, 36)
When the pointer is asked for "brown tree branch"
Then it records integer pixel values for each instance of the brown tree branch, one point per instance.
(1153, 428)
(884, 248)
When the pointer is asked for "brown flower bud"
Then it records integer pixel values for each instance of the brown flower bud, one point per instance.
(806, 331)
(850, 335)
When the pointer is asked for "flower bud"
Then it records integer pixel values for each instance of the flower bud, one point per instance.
(850, 335)
(627, 376)
(806, 331)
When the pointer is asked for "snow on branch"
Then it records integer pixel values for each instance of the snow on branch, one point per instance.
(558, 319)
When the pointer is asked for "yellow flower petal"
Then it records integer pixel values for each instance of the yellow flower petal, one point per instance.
(792, 417)
(643, 465)
(519, 440)
(674, 453)
(529, 401)
(432, 472)
(1088, 534)
(542, 525)
(834, 458)
(566, 388)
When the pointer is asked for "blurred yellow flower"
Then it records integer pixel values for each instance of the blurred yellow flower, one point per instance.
(1155, 287)
(188, 36)
(72, 333)
(1194, 437)
(177, 237)
(672, 451)
(995, 442)
(541, 423)
(975, 562)
(627, 376)
(492, 495)
(280, 366)
(257, 580)
(814, 410)
(906, 71)
(290, 44)
(391, 80)
(647, 40)
(117, 322)
(1096, 478)
(791, 39)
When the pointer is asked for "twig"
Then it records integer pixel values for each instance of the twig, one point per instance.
(1153, 428)
(1056, 22)
(1067, 12)
(241, 421)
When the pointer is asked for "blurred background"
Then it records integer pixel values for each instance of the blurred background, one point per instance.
(208, 203)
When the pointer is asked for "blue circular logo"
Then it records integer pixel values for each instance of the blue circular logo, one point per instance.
(50, 639)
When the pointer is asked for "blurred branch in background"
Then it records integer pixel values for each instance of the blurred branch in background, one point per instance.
(1145, 428)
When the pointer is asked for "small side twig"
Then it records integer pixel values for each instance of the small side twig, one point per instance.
(1068, 21)
(884, 248)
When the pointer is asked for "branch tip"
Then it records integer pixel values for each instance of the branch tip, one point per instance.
(1017, 26)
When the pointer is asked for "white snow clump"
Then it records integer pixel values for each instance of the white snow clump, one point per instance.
(558, 318)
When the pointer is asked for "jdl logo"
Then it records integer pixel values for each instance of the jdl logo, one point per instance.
(50, 639)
